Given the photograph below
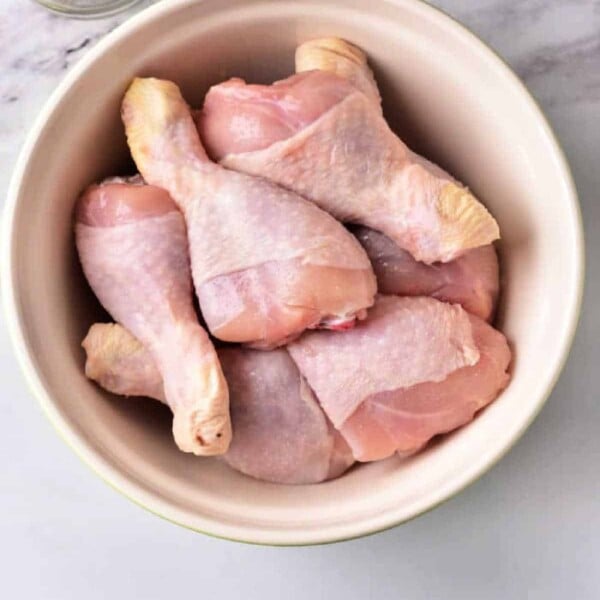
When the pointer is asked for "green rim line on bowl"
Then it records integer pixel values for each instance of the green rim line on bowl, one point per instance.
(140, 494)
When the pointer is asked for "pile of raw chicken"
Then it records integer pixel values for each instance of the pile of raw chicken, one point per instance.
(327, 345)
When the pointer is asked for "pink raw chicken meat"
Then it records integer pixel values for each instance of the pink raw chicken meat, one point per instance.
(471, 280)
(133, 248)
(404, 420)
(266, 263)
(415, 368)
(321, 133)
(280, 433)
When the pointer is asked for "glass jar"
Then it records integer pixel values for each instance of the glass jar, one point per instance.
(87, 9)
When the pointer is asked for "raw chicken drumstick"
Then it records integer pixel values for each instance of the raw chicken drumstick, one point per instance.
(134, 252)
(280, 432)
(266, 263)
(416, 367)
(472, 280)
(321, 133)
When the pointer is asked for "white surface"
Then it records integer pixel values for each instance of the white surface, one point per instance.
(531, 527)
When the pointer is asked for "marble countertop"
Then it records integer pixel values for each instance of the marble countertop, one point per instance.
(529, 528)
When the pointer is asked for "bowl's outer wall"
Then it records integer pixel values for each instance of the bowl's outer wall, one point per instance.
(447, 95)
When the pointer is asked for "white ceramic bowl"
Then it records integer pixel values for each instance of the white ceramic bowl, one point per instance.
(447, 94)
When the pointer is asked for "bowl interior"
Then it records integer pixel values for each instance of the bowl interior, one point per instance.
(448, 96)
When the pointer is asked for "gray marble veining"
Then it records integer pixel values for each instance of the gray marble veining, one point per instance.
(37, 49)
(529, 529)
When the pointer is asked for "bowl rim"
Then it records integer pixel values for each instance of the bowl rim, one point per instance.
(126, 485)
